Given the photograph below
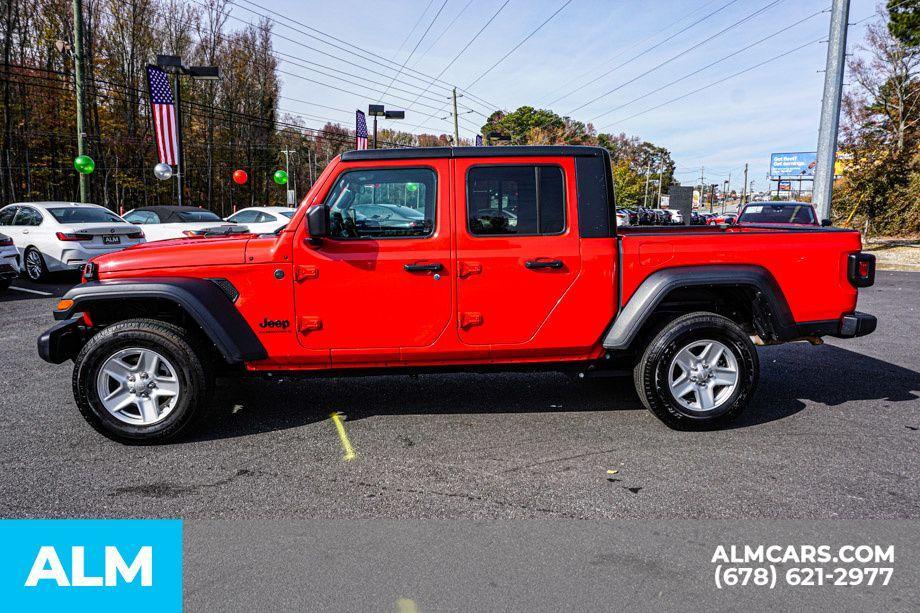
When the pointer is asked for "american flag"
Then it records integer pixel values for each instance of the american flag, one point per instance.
(479, 140)
(164, 115)
(360, 130)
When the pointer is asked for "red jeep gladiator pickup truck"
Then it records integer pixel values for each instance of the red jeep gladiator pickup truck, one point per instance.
(424, 260)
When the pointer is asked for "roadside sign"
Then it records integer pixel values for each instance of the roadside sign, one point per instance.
(291, 198)
(792, 165)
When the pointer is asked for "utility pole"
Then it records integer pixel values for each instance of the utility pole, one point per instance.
(744, 188)
(728, 190)
(702, 188)
(830, 107)
(287, 168)
(648, 172)
(456, 121)
(78, 85)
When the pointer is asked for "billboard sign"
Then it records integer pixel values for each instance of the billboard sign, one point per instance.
(791, 165)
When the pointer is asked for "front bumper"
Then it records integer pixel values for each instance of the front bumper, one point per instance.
(62, 341)
(848, 326)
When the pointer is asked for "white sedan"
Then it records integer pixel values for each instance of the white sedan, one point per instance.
(54, 236)
(9, 261)
(263, 219)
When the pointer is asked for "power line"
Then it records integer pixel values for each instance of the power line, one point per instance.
(656, 33)
(414, 49)
(517, 46)
(461, 52)
(371, 56)
(446, 29)
(646, 51)
(710, 65)
(678, 55)
(705, 87)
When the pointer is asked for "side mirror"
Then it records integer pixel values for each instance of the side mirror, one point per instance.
(826, 223)
(317, 218)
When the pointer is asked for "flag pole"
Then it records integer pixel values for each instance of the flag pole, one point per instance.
(180, 157)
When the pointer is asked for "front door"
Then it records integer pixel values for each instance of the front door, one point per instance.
(382, 280)
(517, 248)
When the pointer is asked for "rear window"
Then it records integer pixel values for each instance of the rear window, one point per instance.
(198, 216)
(771, 213)
(84, 215)
(288, 214)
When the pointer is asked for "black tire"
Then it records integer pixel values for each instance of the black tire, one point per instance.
(191, 362)
(38, 271)
(651, 375)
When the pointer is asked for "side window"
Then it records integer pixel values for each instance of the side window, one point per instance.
(141, 217)
(6, 216)
(507, 200)
(383, 203)
(264, 218)
(27, 216)
(245, 217)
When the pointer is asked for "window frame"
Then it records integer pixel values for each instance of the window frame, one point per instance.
(15, 209)
(31, 209)
(434, 222)
(565, 200)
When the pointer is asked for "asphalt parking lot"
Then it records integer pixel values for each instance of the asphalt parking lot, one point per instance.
(834, 432)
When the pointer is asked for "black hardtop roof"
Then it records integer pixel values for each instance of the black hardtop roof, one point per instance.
(472, 152)
(157, 208)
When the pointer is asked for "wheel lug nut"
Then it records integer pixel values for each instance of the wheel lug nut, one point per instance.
(143, 375)
(130, 377)
(151, 385)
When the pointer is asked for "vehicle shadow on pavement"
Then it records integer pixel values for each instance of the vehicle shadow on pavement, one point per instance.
(794, 374)
(792, 378)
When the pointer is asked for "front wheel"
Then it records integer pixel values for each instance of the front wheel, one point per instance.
(141, 381)
(700, 371)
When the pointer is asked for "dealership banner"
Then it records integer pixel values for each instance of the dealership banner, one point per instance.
(413, 566)
(793, 165)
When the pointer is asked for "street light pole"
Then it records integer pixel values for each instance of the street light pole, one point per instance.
(173, 63)
(456, 121)
(830, 108)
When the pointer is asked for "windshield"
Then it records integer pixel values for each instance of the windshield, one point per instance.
(198, 216)
(773, 213)
(84, 215)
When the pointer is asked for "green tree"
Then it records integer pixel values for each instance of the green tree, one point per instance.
(904, 21)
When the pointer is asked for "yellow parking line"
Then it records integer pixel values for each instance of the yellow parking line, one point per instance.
(343, 436)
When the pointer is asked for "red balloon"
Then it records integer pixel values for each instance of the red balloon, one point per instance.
(240, 177)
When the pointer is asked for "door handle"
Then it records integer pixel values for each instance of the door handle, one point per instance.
(538, 264)
(423, 267)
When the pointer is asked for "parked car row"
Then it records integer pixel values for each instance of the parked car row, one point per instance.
(38, 238)
(648, 217)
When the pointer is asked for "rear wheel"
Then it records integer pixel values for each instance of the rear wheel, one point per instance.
(35, 266)
(699, 371)
(142, 381)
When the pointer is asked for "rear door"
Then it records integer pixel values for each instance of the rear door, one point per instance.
(517, 247)
(382, 280)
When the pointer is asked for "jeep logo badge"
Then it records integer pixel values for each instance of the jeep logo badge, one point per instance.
(282, 324)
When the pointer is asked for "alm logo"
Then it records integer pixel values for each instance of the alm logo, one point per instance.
(48, 567)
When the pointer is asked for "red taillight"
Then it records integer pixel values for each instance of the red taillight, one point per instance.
(74, 237)
(863, 269)
(6, 242)
(138, 234)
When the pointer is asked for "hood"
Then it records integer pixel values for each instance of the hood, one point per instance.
(176, 253)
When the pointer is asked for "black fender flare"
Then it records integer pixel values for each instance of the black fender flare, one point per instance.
(771, 303)
(202, 299)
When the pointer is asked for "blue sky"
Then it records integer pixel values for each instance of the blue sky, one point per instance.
(772, 108)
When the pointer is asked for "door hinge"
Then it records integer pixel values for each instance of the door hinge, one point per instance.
(468, 320)
(469, 268)
(302, 273)
(309, 324)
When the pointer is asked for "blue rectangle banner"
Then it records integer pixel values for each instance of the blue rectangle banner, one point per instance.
(101, 565)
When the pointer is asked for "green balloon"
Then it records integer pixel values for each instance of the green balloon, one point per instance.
(84, 164)
(280, 177)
